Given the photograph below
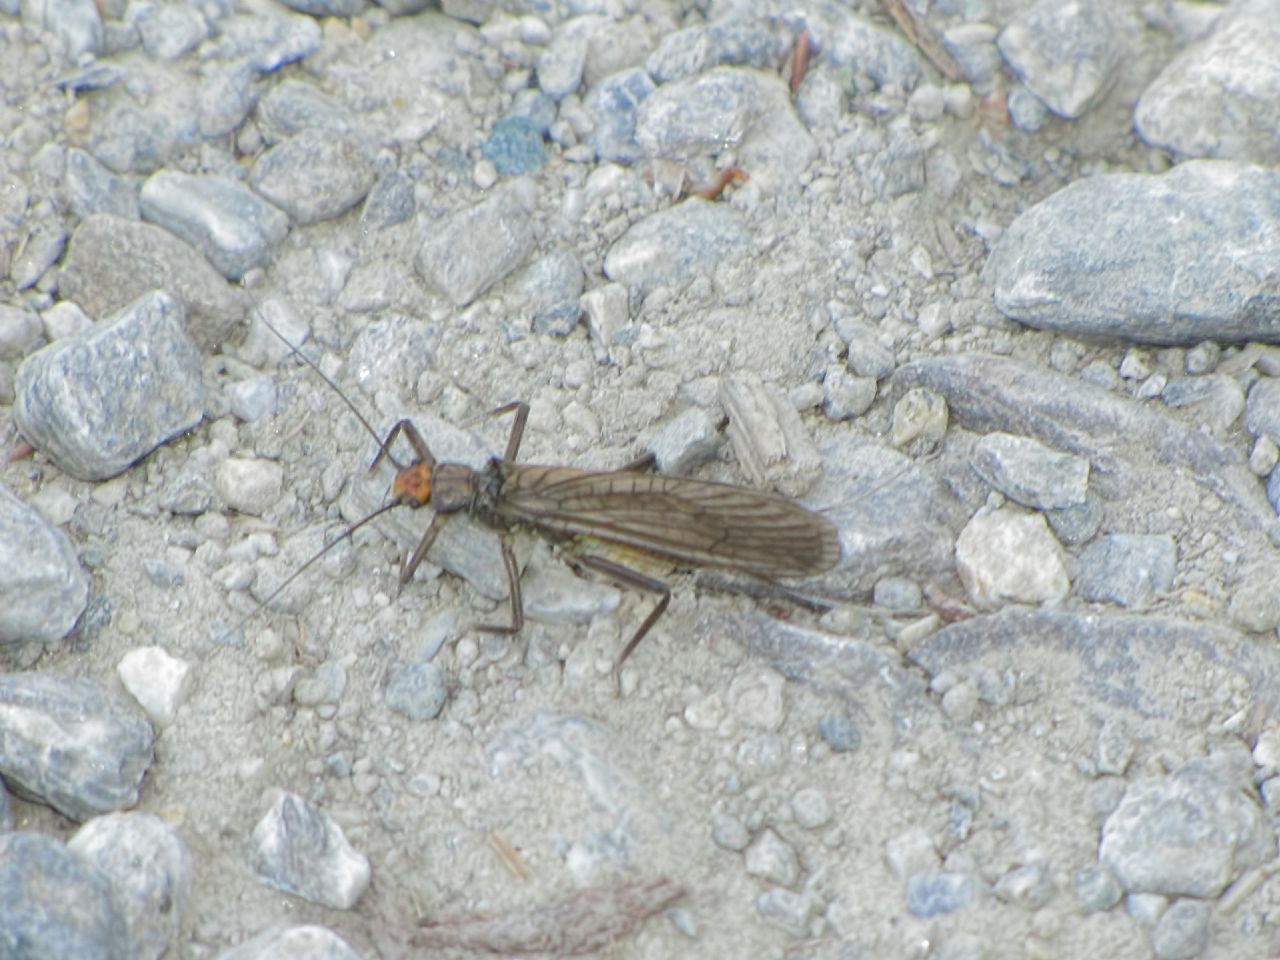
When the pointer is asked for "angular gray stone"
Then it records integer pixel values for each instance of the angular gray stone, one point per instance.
(1217, 98)
(149, 868)
(64, 742)
(675, 243)
(234, 227)
(54, 904)
(1130, 569)
(300, 942)
(299, 849)
(1027, 471)
(467, 252)
(97, 404)
(1066, 53)
(316, 175)
(737, 41)
(44, 588)
(112, 262)
(1177, 258)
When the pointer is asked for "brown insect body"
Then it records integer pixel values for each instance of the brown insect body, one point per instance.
(690, 523)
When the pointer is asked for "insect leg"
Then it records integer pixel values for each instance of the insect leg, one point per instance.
(412, 563)
(630, 578)
(517, 598)
(643, 462)
(415, 440)
(521, 410)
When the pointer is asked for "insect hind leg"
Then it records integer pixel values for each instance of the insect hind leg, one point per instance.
(631, 578)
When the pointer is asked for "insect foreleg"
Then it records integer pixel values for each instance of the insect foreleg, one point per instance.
(412, 563)
(521, 410)
(517, 598)
(415, 440)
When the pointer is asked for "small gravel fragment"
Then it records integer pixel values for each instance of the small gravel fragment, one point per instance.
(676, 243)
(1008, 556)
(469, 251)
(159, 682)
(418, 690)
(936, 892)
(811, 808)
(44, 588)
(684, 442)
(297, 848)
(66, 743)
(614, 104)
(787, 909)
(302, 942)
(1029, 886)
(1066, 53)
(514, 145)
(20, 331)
(1030, 473)
(1183, 931)
(840, 733)
(54, 904)
(316, 175)
(1096, 888)
(729, 832)
(771, 858)
(920, 414)
(149, 868)
(250, 485)
(1132, 570)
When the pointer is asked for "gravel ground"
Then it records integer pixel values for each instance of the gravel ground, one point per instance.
(990, 285)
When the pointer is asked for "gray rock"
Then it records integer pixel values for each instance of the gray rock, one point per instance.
(44, 588)
(297, 848)
(131, 136)
(771, 858)
(1215, 399)
(1010, 556)
(467, 252)
(1027, 471)
(614, 104)
(1029, 886)
(702, 115)
(936, 892)
(54, 904)
(1187, 834)
(41, 247)
(789, 910)
(75, 22)
(301, 942)
(92, 188)
(249, 484)
(327, 8)
(733, 42)
(171, 30)
(1217, 98)
(1133, 570)
(811, 808)
(1262, 409)
(315, 175)
(514, 147)
(867, 356)
(417, 690)
(20, 330)
(554, 595)
(1118, 436)
(1118, 661)
(1107, 256)
(671, 245)
(391, 201)
(293, 106)
(1066, 53)
(853, 43)
(267, 41)
(561, 63)
(1183, 931)
(846, 397)
(67, 744)
(150, 872)
(99, 403)
(225, 97)
(551, 284)
(1096, 888)
(252, 399)
(112, 262)
(234, 227)
(729, 832)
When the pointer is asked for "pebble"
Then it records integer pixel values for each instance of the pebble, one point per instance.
(846, 397)
(729, 832)
(158, 681)
(20, 331)
(390, 201)
(772, 859)
(1009, 556)
(149, 868)
(112, 263)
(553, 594)
(299, 942)
(1029, 886)
(675, 243)
(867, 49)
(1263, 456)
(1066, 54)
(613, 105)
(552, 284)
(299, 849)
(1096, 888)
(937, 892)
(787, 909)
(419, 691)
(1133, 570)
(919, 415)
(252, 399)
(1030, 473)
(324, 686)
(867, 356)
(1262, 409)
(839, 732)
(1059, 262)
(249, 485)
(170, 31)
(313, 176)
(811, 808)
(1190, 833)
(45, 589)
(1183, 931)
(230, 224)
(745, 42)
(514, 146)
(1217, 400)
(683, 443)
(54, 903)
(1212, 100)
(897, 593)
(607, 312)
(467, 252)
(97, 404)
(71, 746)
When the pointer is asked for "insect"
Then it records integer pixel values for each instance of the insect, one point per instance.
(687, 522)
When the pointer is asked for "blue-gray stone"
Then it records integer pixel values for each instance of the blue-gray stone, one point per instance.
(54, 904)
(44, 588)
(936, 892)
(98, 403)
(1132, 570)
(694, 50)
(614, 104)
(92, 188)
(514, 145)
(231, 225)
(314, 176)
(418, 690)
(675, 243)
(391, 201)
(66, 743)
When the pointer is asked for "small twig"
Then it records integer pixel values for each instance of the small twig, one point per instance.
(800, 60)
(729, 175)
(923, 36)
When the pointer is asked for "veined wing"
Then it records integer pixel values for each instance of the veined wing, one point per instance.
(690, 521)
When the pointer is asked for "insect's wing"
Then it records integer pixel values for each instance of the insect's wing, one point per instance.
(690, 521)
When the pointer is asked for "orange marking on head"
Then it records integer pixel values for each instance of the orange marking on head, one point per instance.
(413, 485)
